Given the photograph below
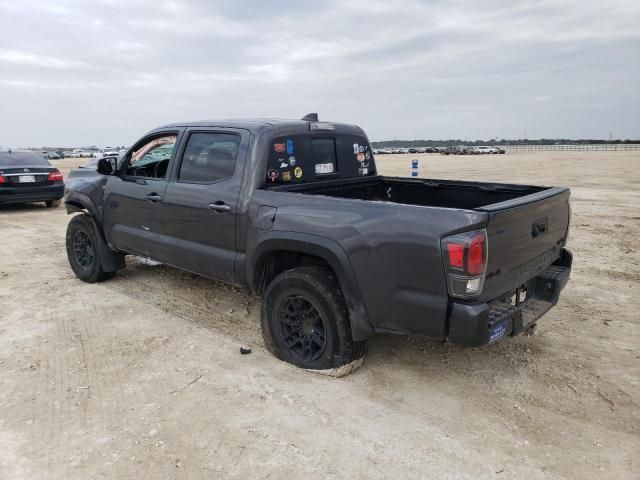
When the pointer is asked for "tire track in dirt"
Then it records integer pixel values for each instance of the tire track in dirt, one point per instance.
(71, 391)
(217, 306)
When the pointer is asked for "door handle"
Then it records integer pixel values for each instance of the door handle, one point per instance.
(153, 197)
(219, 207)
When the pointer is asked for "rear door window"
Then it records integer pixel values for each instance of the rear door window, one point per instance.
(209, 157)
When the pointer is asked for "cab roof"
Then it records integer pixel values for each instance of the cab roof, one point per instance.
(262, 124)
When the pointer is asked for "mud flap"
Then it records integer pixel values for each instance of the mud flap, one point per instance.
(111, 261)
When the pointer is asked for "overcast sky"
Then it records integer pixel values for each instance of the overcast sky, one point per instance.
(104, 72)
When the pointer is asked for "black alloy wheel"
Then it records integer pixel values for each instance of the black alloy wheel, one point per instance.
(83, 249)
(301, 328)
(305, 321)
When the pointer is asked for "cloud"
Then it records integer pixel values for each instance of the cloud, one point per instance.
(78, 72)
(28, 58)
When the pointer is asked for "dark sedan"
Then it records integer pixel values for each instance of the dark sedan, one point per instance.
(27, 177)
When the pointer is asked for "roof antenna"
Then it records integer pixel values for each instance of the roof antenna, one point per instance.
(310, 117)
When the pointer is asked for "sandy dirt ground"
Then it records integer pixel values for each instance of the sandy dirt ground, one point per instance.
(141, 376)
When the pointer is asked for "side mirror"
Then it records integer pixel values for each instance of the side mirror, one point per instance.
(106, 166)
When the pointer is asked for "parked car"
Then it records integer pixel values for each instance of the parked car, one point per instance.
(296, 211)
(28, 177)
(452, 150)
(51, 155)
(483, 150)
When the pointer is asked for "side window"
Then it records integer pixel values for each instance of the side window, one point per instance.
(151, 159)
(209, 157)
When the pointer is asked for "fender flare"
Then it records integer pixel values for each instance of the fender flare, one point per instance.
(330, 251)
(78, 202)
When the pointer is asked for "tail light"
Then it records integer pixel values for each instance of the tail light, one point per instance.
(55, 176)
(465, 260)
(566, 237)
(3, 179)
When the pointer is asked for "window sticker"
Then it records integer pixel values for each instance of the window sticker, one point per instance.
(360, 157)
(292, 161)
(279, 147)
(297, 172)
(324, 168)
(273, 174)
(290, 147)
(284, 165)
(355, 148)
(286, 176)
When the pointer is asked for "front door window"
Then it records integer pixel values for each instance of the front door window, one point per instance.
(151, 159)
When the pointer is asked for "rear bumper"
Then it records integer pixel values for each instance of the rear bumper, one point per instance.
(31, 194)
(477, 324)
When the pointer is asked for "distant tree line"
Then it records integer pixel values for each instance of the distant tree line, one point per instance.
(541, 141)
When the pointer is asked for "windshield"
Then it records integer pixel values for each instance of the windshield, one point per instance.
(22, 159)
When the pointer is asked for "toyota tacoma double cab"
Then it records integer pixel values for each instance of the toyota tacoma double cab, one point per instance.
(296, 211)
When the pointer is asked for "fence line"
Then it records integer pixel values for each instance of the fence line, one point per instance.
(597, 147)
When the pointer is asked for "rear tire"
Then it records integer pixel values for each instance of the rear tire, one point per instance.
(53, 203)
(305, 322)
(83, 250)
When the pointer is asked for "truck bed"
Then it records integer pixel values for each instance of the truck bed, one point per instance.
(526, 225)
(432, 193)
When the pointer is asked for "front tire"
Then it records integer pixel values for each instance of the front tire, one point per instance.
(305, 322)
(83, 250)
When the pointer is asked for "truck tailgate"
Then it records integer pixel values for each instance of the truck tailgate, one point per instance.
(525, 236)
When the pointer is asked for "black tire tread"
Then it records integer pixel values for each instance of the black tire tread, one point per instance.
(96, 274)
(326, 283)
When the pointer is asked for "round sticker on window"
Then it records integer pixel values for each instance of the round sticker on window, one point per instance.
(273, 175)
(297, 172)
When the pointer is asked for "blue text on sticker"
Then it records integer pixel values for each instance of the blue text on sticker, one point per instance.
(290, 147)
(498, 332)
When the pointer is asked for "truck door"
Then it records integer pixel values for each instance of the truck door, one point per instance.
(133, 197)
(201, 202)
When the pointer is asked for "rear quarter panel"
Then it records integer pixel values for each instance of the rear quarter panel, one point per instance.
(393, 250)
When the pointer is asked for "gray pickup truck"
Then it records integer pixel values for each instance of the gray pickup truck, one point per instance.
(296, 211)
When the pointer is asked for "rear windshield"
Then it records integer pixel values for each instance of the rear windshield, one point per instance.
(20, 159)
(313, 158)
